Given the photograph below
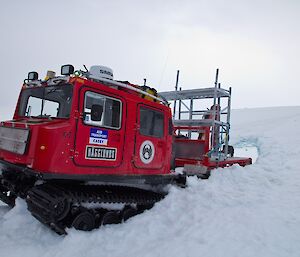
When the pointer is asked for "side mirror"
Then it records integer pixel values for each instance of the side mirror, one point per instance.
(96, 112)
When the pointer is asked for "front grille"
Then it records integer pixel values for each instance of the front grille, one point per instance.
(14, 139)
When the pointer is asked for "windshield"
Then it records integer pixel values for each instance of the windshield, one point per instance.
(46, 102)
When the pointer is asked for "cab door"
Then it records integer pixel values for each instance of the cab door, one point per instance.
(100, 141)
(150, 141)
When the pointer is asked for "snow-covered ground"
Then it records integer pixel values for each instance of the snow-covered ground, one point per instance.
(250, 211)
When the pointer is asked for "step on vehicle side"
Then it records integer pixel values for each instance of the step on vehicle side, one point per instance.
(82, 142)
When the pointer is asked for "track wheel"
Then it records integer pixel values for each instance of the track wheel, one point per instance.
(129, 212)
(84, 221)
(111, 217)
(61, 209)
(7, 197)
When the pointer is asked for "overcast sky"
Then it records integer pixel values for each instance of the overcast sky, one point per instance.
(254, 43)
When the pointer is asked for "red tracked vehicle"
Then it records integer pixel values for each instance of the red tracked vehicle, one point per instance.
(82, 140)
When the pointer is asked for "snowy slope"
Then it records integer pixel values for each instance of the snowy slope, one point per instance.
(251, 211)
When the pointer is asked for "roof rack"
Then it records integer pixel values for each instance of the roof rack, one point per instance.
(158, 98)
(120, 84)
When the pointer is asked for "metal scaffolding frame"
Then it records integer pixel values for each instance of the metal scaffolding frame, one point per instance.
(219, 128)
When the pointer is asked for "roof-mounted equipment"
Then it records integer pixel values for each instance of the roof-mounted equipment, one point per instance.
(67, 70)
(33, 75)
(99, 72)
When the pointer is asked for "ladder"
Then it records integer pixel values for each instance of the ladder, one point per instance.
(190, 116)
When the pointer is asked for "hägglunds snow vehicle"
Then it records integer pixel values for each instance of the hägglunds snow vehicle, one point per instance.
(85, 150)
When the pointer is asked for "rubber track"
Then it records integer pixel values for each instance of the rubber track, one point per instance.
(9, 200)
(42, 199)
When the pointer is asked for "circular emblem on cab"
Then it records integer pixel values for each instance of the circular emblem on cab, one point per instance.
(147, 152)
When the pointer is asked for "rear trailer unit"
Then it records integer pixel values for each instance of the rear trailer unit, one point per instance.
(201, 119)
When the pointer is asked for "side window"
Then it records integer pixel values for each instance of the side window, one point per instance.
(111, 110)
(152, 122)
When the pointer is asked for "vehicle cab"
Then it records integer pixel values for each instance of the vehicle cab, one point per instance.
(84, 124)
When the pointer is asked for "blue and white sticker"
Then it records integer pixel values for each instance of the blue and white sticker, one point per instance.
(98, 136)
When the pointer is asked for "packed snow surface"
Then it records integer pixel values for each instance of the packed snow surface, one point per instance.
(250, 211)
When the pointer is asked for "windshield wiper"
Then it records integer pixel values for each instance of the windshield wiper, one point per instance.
(43, 116)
